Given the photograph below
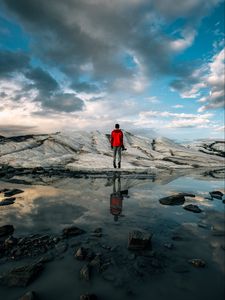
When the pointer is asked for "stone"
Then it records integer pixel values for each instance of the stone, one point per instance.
(177, 199)
(216, 194)
(10, 242)
(96, 262)
(72, 231)
(6, 230)
(80, 254)
(7, 201)
(21, 276)
(197, 262)
(169, 245)
(28, 296)
(138, 240)
(88, 297)
(193, 208)
(61, 247)
(85, 273)
(98, 230)
(12, 192)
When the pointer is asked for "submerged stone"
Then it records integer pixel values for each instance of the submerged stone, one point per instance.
(12, 192)
(72, 231)
(193, 208)
(216, 194)
(6, 230)
(138, 240)
(85, 273)
(7, 201)
(197, 262)
(28, 296)
(177, 199)
(21, 276)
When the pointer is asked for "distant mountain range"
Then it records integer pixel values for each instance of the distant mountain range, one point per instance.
(91, 151)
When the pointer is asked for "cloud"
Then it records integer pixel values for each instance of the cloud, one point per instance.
(12, 62)
(205, 83)
(178, 106)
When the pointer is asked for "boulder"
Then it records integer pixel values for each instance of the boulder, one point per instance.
(12, 192)
(197, 262)
(85, 273)
(138, 240)
(216, 194)
(7, 201)
(193, 208)
(21, 276)
(6, 230)
(72, 231)
(177, 199)
(28, 296)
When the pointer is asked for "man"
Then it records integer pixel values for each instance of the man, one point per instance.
(117, 144)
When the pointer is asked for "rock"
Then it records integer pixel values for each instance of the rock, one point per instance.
(61, 247)
(12, 192)
(138, 240)
(21, 276)
(6, 230)
(216, 194)
(177, 238)
(7, 201)
(10, 242)
(88, 297)
(72, 231)
(169, 245)
(85, 273)
(197, 262)
(28, 296)
(98, 230)
(173, 200)
(193, 208)
(80, 253)
(96, 262)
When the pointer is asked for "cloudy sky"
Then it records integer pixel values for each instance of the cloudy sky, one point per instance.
(154, 66)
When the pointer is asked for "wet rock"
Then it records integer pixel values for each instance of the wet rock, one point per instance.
(6, 230)
(216, 194)
(98, 230)
(88, 297)
(177, 238)
(85, 273)
(96, 262)
(193, 208)
(197, 262)
(80, 254)
(7, 201)
(169, 245)
(10, 242)
(61, 247)
(21, 276)
(177, 199)
(138, 240)
(72, 231)
(28, 296)
(12, 192)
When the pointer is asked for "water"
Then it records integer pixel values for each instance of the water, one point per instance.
(94, 202)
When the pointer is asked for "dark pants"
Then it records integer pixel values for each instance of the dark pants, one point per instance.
(117, 154)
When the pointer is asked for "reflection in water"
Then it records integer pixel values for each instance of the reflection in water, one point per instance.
(116, 198)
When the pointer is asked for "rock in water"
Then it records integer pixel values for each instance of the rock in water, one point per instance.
(7, 201)
(85, 273)
(12, 192)
(80, 254)
(72, 231)
(138, 240)
(28, 296)
(88, 297)
(6, 230)
(177, 199)
(193, 208)
(197, 262)
(216, 194)
(21, 276)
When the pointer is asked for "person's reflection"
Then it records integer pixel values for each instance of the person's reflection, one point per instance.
(116, 198)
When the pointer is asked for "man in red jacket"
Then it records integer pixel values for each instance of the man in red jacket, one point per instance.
(117, 144)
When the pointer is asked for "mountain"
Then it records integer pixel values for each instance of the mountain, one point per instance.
(91, 151)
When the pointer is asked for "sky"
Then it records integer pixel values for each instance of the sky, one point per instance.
(156, 67)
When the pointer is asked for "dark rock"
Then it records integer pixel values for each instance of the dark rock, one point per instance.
(21, 276)
(61, 247)
(216, 194)
(197, 262)
(6, 230)
(7, 201)
(85, 273)
(138, 240)
(88, 297)
(28, 296)
(177, 238)
(96, 262)
(12, 192)
(10, 242)
(72, 231)
(98, 230)
(177, 199)
(193, 208)
(80, 254)
(169, 245)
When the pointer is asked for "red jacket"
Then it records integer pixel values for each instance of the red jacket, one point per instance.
(117, 138)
